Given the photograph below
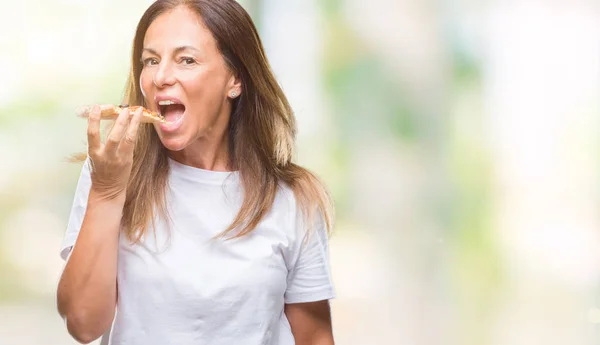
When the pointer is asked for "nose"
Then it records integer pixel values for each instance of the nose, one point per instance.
(164, 76)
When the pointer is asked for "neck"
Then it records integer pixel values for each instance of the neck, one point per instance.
(205, 154)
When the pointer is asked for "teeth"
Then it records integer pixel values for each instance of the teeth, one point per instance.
(166, 103)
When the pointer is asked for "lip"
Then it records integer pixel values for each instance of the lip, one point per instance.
(159, 98)
(168, 127)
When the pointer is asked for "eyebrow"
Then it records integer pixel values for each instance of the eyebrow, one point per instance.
(177, 50)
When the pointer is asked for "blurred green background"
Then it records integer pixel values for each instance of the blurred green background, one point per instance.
(459, 138)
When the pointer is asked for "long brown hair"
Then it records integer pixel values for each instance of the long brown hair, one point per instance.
(261, 132)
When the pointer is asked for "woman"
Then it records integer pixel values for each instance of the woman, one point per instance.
(201, 230)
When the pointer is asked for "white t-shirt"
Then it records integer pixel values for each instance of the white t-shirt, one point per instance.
(183, 287)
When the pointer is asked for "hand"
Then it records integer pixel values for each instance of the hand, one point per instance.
(111, 162)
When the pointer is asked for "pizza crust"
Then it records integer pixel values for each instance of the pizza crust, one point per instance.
(111, 112)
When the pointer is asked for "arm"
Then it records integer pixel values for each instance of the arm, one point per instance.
(87, 291)
(310, 322)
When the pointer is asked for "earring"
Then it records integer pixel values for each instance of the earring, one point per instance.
(233, 94)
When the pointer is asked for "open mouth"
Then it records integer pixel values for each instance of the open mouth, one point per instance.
(171, 110)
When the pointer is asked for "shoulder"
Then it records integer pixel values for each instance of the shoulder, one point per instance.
(287, 211)
(300, 218)
(285, 199)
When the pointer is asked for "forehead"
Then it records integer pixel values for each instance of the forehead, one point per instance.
(177, 27)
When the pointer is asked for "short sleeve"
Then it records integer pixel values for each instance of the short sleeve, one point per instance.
(77, 211)
(309, 279)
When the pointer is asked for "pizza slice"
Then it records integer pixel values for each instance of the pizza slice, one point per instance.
(111, 112)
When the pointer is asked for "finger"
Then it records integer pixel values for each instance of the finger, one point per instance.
(117, 132)
(93, 130)
(128, 142)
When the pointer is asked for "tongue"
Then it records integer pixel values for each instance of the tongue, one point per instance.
(173, 112)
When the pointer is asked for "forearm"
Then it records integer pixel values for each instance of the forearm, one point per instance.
(87, 290)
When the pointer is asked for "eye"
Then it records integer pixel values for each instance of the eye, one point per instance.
(188, 61)
(150, 61)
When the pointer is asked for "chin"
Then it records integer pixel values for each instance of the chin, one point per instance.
(174, 143)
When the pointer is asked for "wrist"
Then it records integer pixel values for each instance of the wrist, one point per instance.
(107, 198)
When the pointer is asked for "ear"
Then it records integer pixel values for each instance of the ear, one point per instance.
(234, 87)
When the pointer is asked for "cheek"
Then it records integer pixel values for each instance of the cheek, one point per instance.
(204, 90)
(145, 84)
(193, 83)
(203, 80)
